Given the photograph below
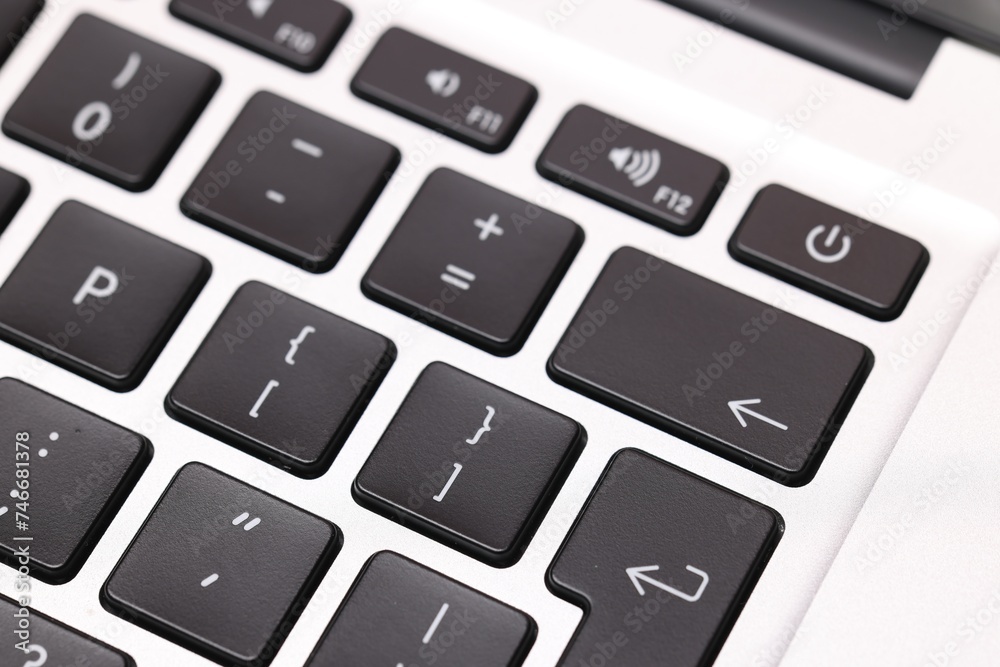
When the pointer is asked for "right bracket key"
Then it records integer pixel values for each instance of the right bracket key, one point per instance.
(662, 562)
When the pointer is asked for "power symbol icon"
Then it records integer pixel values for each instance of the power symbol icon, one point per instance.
(828, 242)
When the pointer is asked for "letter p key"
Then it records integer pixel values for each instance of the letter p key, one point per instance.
(90, 285)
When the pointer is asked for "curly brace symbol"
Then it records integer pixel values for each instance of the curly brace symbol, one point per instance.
(486, 426)
(295, 342)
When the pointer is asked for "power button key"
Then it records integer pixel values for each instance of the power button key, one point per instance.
(837, 255)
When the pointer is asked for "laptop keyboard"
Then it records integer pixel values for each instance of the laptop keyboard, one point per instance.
(659, 561)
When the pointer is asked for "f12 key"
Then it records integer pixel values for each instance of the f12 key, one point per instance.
(633, 170)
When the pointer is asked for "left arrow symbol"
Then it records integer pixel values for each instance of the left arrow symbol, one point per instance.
(638, 575)
(740, 408)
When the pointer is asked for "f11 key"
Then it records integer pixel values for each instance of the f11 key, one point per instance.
(447, 91)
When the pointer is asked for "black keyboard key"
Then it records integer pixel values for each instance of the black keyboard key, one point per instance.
(47, 643)
(470, 464)
(437, 87)
(291, 182)
(401, 613)
(633, 170)
(222, 568)
(662, 562)
(839, 256)
(13, 191)
(99, 296)
(70, 471)
(281, 378)
(298, 33)
(111, 103)
(16, 16)
(738, 377)
(473, 261)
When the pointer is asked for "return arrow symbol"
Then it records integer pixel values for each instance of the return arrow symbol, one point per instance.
(637, 575)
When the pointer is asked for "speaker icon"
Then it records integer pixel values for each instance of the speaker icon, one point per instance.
(640, 166)
(443, 82)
